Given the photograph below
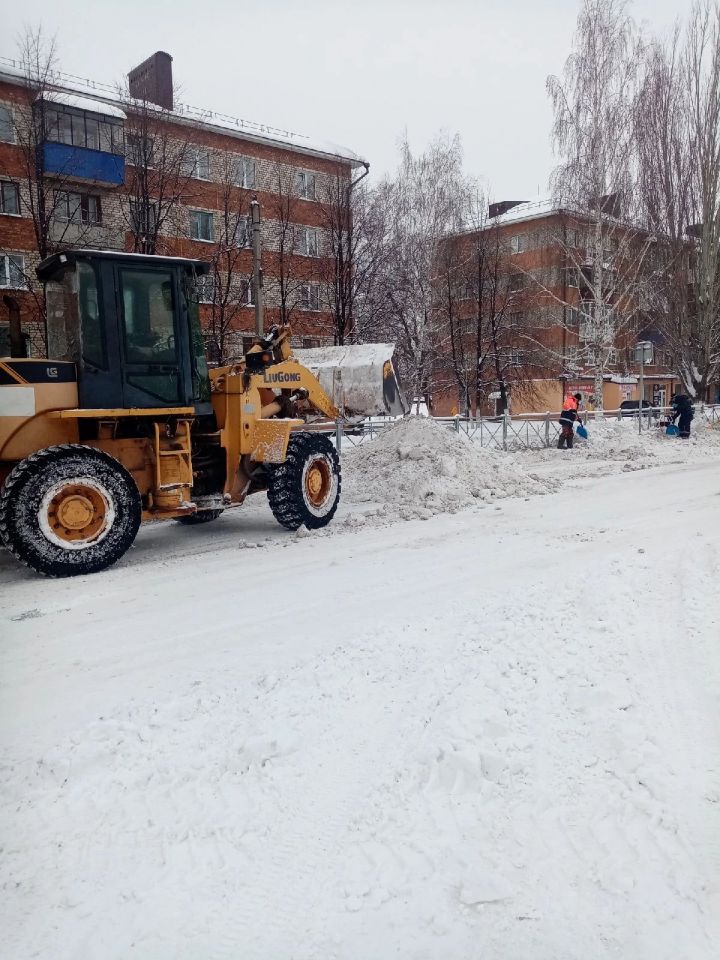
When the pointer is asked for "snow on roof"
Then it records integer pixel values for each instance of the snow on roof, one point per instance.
(108, 98)
(528, 211)
(82, 103)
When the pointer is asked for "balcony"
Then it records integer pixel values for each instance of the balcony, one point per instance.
(69, 162)
(82, 139)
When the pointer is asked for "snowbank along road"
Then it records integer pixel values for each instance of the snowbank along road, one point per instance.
(492, 732)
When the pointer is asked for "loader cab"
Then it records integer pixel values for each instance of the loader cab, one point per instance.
(130, 322)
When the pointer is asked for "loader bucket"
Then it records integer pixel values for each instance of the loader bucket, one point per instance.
(359, 379)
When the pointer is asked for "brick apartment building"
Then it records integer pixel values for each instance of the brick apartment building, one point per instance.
(192, 193)
(543, 332)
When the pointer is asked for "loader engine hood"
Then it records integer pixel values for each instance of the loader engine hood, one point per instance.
(359, 378)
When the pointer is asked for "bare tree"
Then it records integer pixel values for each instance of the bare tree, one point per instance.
(700, 363)
(229, 287)
(349, 220)
(59, 220)
(159, 179)
(604, 251)
(423, 204)
(665, 167)
(285, 241)
(484, 329)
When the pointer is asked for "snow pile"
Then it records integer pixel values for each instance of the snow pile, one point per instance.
(616, 446)
(614, 438)
(418, 468)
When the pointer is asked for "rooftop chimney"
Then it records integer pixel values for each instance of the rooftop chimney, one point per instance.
(152, 80)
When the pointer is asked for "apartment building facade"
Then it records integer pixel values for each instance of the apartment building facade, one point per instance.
(538, 260)
(84, 166)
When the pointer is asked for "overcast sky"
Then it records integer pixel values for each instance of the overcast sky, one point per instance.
(359, 73)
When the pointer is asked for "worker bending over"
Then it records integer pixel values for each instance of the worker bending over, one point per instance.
(569, 415)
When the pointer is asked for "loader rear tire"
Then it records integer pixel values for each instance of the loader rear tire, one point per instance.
(69, 510)
(305, 489)
(200, 516)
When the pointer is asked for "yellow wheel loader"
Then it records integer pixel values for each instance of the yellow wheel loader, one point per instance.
(126, 423)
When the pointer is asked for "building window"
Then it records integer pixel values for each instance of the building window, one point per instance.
(517, 282)
(311, 343)
(245, 293)
(610, 247)
(308, 242)
(196, 163)
(242, 236)
(306, 185)
(518, 243)
(243, 172)
(77, 207)
(9, 198)
(517, 318)
(572, 353)
(513, 357)
(201, 226)
(143, 217)
(139, 150)
(7, 127)
(310, 296)
(12, 271)
(79, 129)
(466, 290)
(205, 287)
(573, 238)
(572, 277)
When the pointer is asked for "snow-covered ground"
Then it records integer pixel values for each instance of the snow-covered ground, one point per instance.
(490, 730)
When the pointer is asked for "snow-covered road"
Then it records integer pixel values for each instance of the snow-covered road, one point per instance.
(488, 734)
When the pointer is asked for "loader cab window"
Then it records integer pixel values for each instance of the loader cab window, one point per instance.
(148, 332)
(92, 330)
(200, 373)
(149, 325)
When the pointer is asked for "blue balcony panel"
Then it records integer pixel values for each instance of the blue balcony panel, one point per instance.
(80, 163)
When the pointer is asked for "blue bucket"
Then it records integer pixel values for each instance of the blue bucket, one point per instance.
(581, 431)
(671, 430)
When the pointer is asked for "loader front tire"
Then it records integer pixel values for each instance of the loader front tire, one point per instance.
(305, 489)
(69, 510)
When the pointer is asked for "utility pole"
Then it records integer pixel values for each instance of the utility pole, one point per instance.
(257, 267)
(643, 354)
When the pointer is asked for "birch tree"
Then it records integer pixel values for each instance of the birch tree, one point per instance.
(593, 134)
(700, 360)
(677, 115)
(424, 204)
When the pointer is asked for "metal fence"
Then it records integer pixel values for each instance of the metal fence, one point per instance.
(531, 431)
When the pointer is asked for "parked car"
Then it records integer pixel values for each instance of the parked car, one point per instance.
(629, 408)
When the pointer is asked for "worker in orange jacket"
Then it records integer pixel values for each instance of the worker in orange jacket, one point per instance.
(570, 412)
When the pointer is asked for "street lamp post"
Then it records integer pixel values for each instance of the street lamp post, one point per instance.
(256, 227)
(643, 355)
